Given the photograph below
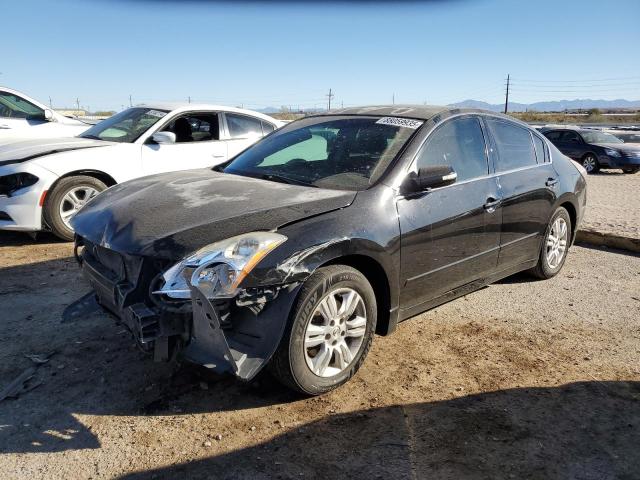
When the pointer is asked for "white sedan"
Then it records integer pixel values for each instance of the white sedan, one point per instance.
(43, 183)
(22, 117)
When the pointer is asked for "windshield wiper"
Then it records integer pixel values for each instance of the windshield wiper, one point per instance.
(282, 179)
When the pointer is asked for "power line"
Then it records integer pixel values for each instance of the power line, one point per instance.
(583, 80)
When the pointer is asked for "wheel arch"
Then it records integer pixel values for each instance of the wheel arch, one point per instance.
(375, 273)
(104, 177)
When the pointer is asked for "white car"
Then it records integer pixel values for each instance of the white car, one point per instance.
(43, 183)
(22, 117)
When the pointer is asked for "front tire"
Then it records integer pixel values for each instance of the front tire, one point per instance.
(555, 245)
(329, 331)
(590, 163)
(65, 199)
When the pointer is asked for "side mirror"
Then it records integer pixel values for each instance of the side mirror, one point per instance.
(164, 137)
(429, 177)
(48, 115)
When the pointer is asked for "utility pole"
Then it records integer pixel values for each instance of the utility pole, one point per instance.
(130, 101)
(77, 105)
(393, 99)
(50, 104)
(189, 98)
(342, 104)
(506, 98)
(330, 96)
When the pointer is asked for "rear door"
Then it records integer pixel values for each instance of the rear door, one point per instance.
(572, 145)
(450, 235)
(527, 183)
(243, 131)
(198, 144)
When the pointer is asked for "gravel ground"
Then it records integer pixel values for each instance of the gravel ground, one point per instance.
(521, 379)
(613, 203)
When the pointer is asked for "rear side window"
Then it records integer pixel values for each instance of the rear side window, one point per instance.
(267, 128)
(460, 144)
(241, 126)
(539, 145)
(515, 148)
(553, 136)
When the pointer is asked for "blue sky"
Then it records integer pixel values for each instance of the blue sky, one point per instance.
(262, 54)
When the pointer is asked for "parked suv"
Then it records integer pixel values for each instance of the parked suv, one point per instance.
(595, 149)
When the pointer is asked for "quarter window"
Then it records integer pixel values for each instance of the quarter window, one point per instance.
(515, 149)
(460, 144)
(539, 145)
(241, 126)
(267, 128)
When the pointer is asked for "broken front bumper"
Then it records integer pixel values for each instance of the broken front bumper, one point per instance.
(237, 335)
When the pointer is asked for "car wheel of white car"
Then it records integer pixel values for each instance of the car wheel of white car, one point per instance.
(67, 197)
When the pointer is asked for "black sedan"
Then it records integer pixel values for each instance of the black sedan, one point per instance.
(595, 149)
(331, 229)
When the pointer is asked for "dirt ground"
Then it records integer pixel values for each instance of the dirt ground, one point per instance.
(613, 203)
(523, 379)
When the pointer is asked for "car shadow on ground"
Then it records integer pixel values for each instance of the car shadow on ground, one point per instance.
(16, 239)
(587, 430)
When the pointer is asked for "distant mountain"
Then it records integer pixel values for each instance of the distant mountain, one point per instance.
(557, 106)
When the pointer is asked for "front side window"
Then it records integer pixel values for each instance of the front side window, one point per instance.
(194, 127)
(514, 145)
(242, 126)
(126, 126)
(345, 153)
(12, 106)
(460, 144)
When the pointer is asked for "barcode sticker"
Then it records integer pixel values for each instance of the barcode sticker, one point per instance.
(401, 122)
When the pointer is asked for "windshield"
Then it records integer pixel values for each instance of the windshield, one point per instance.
(126, 126)
(600, 137)
(629, 137)
(344, 153)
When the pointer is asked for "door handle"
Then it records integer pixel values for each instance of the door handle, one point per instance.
(551, 182)
(492, 204)
(5, 126)
(217, 156)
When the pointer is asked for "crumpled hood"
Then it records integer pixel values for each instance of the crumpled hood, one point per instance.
(18, 152)
(623, 147)
(173, 214)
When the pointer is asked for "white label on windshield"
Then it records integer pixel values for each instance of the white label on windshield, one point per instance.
(156, 113)
(400, 122)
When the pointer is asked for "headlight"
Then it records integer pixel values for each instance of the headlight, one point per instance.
(219, 268)
(16, 181)
(612, 153)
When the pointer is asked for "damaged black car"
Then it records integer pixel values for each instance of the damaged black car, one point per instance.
(333, 228)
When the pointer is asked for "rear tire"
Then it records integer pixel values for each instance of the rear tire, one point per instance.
(631, 171)
(590, 163)
(555, 240)
(65, 199)
(301, 348)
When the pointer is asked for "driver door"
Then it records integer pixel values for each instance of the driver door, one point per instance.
(450, 236)
(16, 112)
(197, 145)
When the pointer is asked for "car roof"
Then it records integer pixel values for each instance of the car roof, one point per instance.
(421, 112)
(186, 107)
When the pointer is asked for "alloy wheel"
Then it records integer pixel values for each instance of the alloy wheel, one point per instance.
(589, 163)
(335, 332)
(557, 242)
(74, 200)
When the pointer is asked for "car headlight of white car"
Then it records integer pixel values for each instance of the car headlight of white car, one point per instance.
(612, 153)
(220, 267)
(13, 182)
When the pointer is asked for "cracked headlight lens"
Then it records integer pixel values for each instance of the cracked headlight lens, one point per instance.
(219, 268)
